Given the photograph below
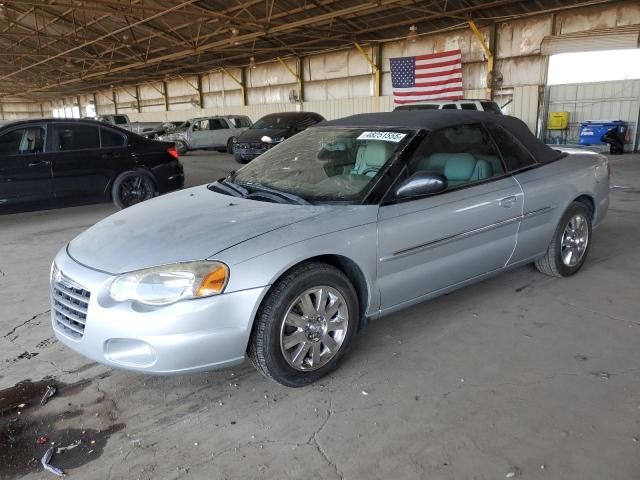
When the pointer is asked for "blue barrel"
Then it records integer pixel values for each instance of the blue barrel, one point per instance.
(591, 131)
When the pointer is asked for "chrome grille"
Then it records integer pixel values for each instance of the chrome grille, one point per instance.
(244, 146)
(70, 303)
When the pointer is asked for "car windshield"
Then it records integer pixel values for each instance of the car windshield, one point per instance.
(325, 164)
(277, 122)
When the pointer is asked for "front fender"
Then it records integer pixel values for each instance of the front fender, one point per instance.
(357, 244)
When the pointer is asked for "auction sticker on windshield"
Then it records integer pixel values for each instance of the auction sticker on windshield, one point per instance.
(394, 137)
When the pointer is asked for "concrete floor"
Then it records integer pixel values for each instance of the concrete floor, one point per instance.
(521, 374)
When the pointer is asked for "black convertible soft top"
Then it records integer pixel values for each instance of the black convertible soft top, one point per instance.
(437, 119)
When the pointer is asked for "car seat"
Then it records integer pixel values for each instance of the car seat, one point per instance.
(464, 168)
(493, 160)
(434, 163)
(371, 156)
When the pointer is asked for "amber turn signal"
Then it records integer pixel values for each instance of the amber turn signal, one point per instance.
(213, 282)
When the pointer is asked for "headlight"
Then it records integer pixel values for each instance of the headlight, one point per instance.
(53, 273)
(170, 283)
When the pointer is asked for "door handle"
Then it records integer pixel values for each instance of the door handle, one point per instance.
(508, 202)
(105, 156)
(37, 163)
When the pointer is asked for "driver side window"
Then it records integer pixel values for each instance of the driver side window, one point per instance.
(201, 126)
(463, 155)
(22, 141)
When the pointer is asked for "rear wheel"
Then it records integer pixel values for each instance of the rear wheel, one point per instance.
(181, 147)
(230, 144)
(570, 245)
(305, 325)
(132, 187)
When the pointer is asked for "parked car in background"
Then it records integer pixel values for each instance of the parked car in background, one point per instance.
(163, 129)
(271, 130)
(53, 160)
(285, 259)
(216, 133)
(122, 121)
(466, 104)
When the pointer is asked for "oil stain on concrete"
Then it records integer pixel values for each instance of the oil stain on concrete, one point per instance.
(28, 429)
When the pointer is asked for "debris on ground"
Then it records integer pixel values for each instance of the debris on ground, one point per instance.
(41, 440)
(69, 447)
(364, 392)
(515, 471)
(50, 392)
(47, 466)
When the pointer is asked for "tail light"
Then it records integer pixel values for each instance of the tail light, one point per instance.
(173, 152)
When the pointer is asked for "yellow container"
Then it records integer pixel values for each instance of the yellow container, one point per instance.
(558, 120)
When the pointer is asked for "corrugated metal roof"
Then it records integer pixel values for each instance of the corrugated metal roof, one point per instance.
(65, 47)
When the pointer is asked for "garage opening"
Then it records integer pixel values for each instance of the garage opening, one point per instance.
(593, 86)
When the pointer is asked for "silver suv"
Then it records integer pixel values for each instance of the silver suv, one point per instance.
(464, 104)
(218, 133)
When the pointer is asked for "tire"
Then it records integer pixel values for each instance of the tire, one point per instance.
(141, 183)
(570, 244)
(181, 147)
(230, 143)
(297, 355)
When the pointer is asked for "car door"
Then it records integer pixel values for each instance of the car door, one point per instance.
(219, 132)
(200, 134)
(80, 169)
(542, 193)
(431, 243)
(25, 172)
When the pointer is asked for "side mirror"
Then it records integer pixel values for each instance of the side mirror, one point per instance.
(421, 183)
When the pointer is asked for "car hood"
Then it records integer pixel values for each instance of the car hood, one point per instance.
(254, 135)
(192, 224)
(174, 135)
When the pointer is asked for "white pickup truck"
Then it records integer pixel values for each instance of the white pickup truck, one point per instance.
(123, 121)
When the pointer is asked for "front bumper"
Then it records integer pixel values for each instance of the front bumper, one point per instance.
(188, 336)
(245, 157)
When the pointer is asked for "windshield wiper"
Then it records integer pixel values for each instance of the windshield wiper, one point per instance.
(236, 187)
(229, 187)
(286, 195)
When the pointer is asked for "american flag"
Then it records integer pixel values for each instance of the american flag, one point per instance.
(437, 76)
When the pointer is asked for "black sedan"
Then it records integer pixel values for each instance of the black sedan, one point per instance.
(48, 161)
(271, 130)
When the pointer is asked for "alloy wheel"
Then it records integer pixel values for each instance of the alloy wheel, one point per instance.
(575, 240)
(314, 328)
(135, 189)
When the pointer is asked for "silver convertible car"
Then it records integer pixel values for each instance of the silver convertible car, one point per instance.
(287, 258)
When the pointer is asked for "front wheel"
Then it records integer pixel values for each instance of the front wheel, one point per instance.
(570, 244)
(305, 325)
(132, 187)
(181, 147)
